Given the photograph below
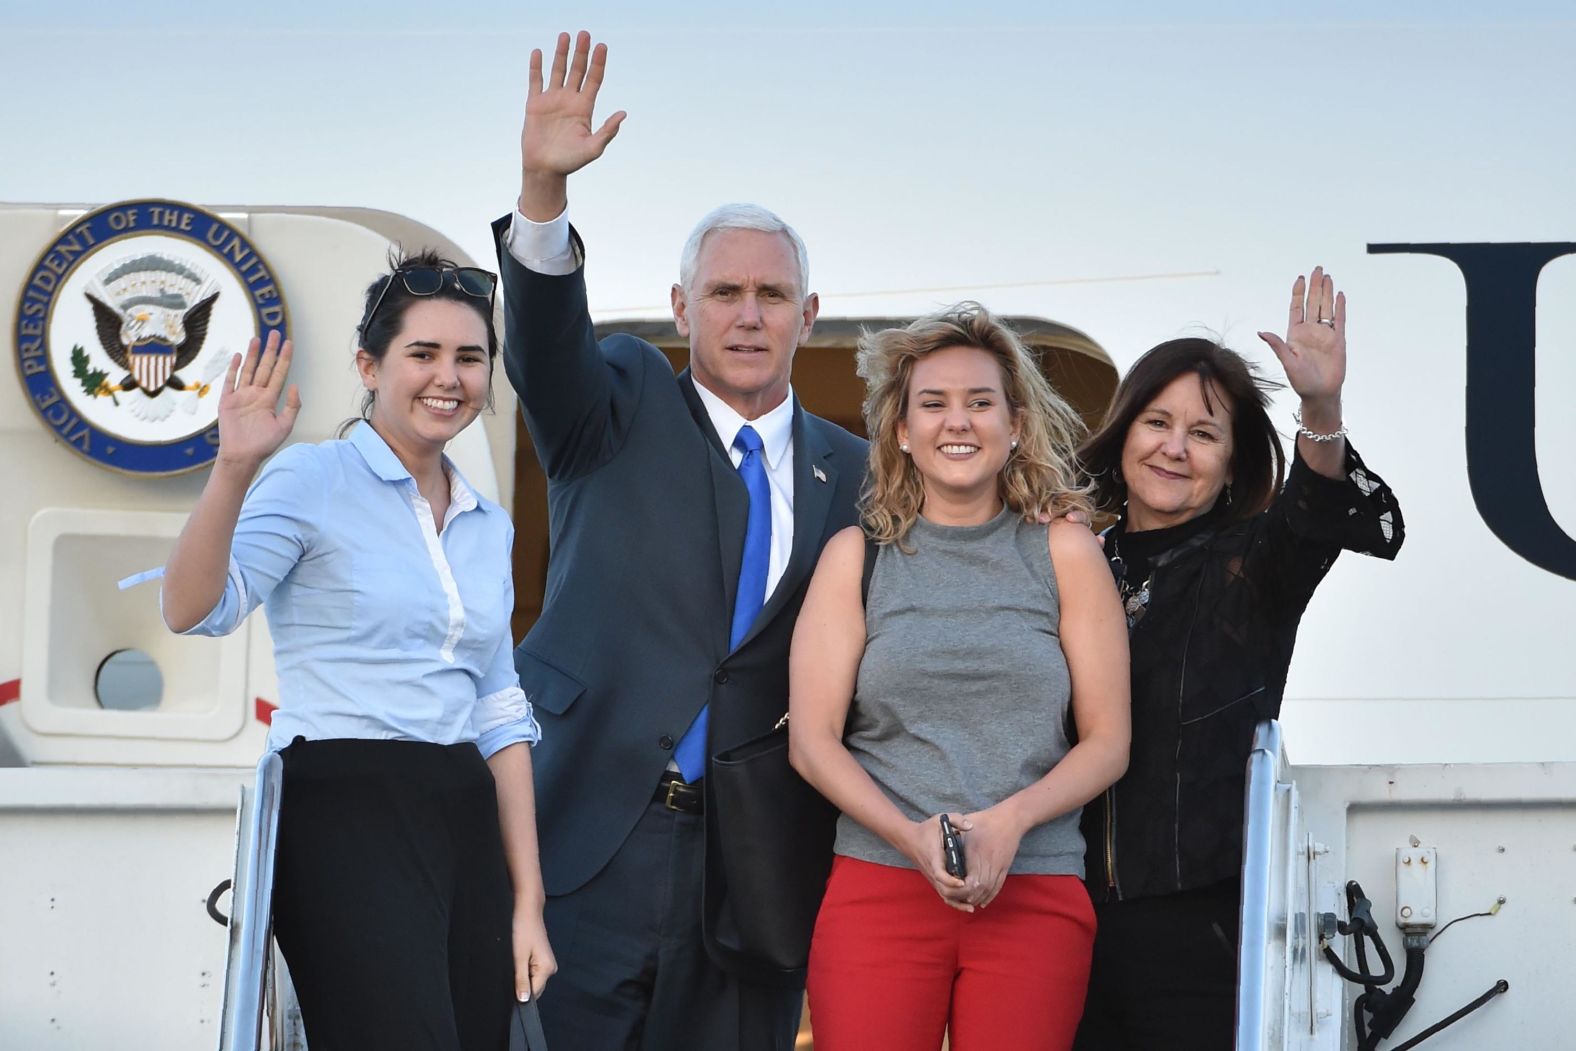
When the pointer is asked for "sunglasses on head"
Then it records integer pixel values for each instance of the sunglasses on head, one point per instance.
(428, 280)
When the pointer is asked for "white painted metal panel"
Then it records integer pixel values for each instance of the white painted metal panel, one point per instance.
(103, 930)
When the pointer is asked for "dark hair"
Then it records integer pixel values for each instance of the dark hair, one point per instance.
(375, 334)
(1258, 463)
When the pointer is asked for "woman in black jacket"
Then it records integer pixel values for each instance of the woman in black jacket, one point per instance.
(1216, 559)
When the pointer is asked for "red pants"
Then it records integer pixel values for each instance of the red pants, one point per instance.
(892, 966)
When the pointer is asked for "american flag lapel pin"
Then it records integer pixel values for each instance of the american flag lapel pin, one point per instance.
(820, 475)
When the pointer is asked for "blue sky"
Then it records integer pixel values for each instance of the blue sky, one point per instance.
(508, 14)
(1029, 143)
(1022, 151)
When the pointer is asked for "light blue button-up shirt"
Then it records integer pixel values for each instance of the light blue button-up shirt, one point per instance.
(383, 626)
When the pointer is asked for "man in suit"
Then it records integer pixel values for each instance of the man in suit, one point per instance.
(687, 514)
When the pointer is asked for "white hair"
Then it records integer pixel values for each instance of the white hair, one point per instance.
(741, 217)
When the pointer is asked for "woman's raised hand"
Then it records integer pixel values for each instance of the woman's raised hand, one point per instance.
(251, 424)
(1314, 350)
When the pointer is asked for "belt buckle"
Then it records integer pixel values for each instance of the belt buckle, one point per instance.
(673, 789)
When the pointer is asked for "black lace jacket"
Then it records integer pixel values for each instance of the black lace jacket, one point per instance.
(1210, 651)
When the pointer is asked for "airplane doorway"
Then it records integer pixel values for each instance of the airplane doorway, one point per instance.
(826, 384)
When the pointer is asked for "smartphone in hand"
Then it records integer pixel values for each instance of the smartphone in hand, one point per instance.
(952, 849)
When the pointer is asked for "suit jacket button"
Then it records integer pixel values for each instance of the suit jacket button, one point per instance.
(721, 678)
(665, 743)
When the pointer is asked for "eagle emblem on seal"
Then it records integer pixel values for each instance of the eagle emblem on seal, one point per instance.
(151, 317)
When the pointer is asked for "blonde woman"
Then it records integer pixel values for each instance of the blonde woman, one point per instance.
(945, 689)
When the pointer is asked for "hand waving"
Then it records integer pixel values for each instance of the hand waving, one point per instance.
(557, 138)
(251, 426)
(1314, 350)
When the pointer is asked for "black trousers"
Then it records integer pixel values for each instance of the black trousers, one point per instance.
(392, 900)
(1165, 973)
(633, 972)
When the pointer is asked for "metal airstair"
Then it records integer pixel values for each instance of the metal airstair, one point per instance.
(257, 988)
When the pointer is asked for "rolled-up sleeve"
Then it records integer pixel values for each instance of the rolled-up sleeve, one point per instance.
(503, 712)
(275, 530)
(504, 718)
(232, 608)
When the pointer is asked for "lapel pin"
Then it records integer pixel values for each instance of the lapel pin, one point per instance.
(820, 475)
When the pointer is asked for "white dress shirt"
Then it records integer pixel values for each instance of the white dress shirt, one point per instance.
(546, 248)
(776, 431)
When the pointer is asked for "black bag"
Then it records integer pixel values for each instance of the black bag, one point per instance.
(525, 1028)
(776, 834)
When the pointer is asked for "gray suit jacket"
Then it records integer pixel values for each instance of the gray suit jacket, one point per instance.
(647, 518)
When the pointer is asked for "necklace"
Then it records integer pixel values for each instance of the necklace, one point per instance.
(1135, 596)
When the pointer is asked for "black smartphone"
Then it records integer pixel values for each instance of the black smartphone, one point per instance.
(952, 850)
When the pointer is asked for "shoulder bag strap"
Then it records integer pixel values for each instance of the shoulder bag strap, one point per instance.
(872, 549)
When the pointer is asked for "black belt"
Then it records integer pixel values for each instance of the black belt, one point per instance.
(675, 793)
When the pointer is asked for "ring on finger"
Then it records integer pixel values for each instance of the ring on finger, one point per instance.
(1330, 321)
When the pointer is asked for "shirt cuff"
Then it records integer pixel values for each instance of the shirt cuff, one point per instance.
(544, 248)
(505, 718)
(226, 614)
(1357, 512)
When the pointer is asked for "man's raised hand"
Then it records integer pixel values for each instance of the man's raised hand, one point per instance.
(557, 138)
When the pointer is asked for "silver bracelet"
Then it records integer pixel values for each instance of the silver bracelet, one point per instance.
(1313, 436)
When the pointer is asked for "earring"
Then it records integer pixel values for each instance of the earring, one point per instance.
(1014, 444)
(903, 446)
(1227, 494)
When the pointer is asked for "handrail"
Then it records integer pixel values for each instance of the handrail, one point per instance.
(251, 909)
(1257, 859)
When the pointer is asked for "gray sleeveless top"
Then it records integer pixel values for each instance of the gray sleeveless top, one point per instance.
(962, 694)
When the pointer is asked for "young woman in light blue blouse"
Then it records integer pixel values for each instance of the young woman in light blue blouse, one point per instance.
(408, 893)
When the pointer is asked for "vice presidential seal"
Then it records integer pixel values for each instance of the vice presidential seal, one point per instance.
(126, 325)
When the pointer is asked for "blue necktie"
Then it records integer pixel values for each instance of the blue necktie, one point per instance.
(691, 751)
